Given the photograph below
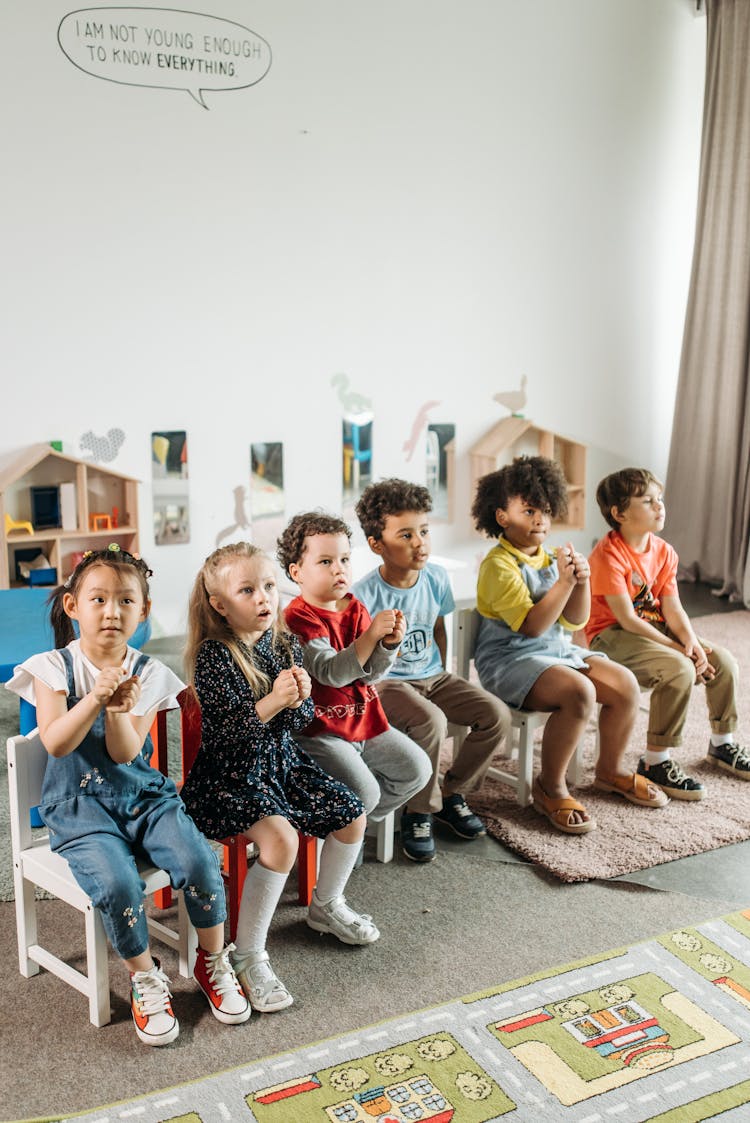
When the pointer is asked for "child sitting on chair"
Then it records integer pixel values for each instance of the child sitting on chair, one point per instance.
(638, 620)
(419, 695)
(103, 803)
(530, 603)
(344, 653)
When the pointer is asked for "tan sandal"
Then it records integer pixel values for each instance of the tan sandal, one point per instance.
(635, 788)
(558, 811)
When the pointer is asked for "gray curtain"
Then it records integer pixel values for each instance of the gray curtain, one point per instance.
(708, 479)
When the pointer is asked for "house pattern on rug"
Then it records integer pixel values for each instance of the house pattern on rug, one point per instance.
(657, 1031)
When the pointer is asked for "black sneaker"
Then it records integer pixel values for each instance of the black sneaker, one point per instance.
(457, 815)
(416, 836)
(668, 776)
(732, 758)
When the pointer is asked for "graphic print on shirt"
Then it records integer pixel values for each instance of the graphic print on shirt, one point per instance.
(644, 602)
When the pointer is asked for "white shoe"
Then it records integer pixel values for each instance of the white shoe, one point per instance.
(260, 983)
(337, 918)
(153, 1017)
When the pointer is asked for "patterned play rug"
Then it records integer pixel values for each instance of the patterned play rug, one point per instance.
(658, 1031)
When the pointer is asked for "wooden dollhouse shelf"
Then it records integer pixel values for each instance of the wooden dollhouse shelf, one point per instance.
(516, 436)
(87, 487)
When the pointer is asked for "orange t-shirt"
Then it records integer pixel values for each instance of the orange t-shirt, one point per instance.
(645, 578)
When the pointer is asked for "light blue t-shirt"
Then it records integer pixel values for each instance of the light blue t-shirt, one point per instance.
(431, 596)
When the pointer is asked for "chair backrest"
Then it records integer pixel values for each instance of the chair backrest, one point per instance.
(191, 725)
(27, 761)
(467, 629)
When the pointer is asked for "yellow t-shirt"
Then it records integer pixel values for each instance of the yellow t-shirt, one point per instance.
(502, 593)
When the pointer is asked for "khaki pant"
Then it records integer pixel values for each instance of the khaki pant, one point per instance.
(670, 676)
(422, 708)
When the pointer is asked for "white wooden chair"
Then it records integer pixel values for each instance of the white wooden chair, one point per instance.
(524, 722)
(34, 864)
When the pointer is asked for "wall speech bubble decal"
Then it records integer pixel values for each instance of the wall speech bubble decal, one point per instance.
(164, 48)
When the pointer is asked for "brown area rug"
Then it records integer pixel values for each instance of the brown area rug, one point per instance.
(631, 838)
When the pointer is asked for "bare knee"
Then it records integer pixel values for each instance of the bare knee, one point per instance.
(277, 842)
(579, 697)
(353, 832)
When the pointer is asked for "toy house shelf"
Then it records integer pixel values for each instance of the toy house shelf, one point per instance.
(86, 490)
(516, 436)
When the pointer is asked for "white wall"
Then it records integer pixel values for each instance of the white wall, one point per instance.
(433, 197)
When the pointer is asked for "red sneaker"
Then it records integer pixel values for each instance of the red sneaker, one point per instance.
(215, 976)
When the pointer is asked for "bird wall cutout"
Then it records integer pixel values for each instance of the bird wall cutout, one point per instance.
(103, 449)
(514, 400)
(418, 426)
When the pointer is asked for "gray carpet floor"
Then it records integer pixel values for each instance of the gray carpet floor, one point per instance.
(476, 917)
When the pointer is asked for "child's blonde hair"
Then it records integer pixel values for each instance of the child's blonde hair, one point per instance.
(205, 623)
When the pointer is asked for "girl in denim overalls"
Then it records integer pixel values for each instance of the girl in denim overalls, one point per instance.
(531, 603)
(103, 803)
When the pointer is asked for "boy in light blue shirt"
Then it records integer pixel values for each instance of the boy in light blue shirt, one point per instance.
(419, 695)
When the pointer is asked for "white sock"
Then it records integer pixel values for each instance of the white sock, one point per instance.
(337, 860)
(260, 896)
(721, 739)
(657, 756)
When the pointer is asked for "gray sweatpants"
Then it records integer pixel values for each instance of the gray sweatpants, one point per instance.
(384, 771)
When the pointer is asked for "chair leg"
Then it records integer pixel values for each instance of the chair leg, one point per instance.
(385, 831)
(97, 968)
(25, 924)
(525, 760)
(307, 868)
(188, 938)
(235, 865)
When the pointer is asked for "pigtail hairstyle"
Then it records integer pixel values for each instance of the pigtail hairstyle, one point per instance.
(114, 558)
(205, 623)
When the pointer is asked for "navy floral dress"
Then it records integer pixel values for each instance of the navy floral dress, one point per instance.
(247, 770)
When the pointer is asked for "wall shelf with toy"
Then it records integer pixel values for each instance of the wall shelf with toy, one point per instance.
(53, 507)
(516, 436)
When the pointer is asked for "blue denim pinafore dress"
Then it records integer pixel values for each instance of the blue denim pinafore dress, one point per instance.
(101, 816)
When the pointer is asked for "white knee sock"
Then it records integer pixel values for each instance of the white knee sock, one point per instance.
(260, 896)
(337, 860)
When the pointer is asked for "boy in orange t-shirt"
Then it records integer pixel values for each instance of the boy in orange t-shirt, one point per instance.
(638, 620)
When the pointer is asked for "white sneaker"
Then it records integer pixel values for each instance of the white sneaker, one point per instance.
(215, 976)
(337, 918)
(152, 1012)
(261, 984)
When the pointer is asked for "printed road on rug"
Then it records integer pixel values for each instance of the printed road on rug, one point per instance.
(657, 1031)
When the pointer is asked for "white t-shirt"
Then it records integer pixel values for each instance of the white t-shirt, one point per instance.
(159, 686)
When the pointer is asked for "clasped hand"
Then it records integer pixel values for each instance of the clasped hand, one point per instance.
(291, 686)
(116, 694)
(698, 652)
(572, 566)
(389, 626)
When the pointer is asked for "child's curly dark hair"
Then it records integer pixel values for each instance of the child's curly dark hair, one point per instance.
(290, 546)
(389, 497)
(617, 489)
(537, 480)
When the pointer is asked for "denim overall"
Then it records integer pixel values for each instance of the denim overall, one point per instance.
(102, 815)
(509, 663)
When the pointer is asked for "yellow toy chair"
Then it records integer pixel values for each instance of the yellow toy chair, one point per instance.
(17, 524)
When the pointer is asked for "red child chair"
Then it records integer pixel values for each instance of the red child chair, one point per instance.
(234, 868)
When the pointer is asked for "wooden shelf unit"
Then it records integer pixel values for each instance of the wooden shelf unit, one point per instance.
(97, 489)
(516, 436)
